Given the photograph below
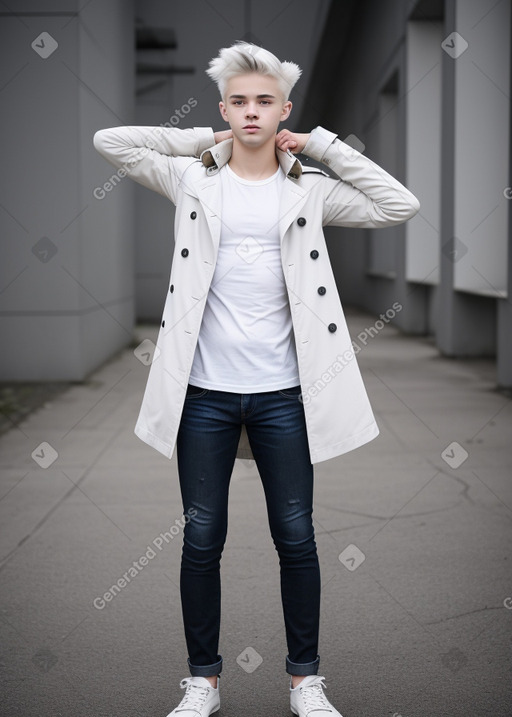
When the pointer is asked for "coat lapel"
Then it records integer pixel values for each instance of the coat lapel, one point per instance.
(208, 188)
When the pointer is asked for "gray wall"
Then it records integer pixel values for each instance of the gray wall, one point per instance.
(67, 276)
(439, 119)
(80, 266)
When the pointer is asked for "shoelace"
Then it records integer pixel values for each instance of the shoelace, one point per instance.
(314, 697)
(194, 697)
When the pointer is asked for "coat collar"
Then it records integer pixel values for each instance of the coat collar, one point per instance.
(216, 157)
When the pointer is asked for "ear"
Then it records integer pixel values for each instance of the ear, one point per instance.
(285, 112)
(222, 108)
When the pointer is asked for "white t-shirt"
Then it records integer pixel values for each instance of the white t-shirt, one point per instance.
(246, 342)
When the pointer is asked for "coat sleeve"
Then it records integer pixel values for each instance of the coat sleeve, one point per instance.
(365, 195)
(147, 154)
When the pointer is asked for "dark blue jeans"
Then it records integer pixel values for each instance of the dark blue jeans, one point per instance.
(207, 443)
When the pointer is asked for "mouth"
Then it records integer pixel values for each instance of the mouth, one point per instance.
(251, 126)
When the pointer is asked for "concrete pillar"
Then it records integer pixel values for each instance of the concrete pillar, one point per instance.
(474, 172)
(66, 281)
(504, 328)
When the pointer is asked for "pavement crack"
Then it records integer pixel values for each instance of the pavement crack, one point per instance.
(464, 614)
(466, 486)
(384, 517)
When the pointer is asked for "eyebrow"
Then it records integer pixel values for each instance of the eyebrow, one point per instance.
(243, 97)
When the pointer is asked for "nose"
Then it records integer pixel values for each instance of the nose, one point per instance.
(251, 110)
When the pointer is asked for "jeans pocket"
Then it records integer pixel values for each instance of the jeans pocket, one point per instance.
(195, 391)
(293, 392)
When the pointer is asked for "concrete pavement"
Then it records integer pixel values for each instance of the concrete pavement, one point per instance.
(413, 533)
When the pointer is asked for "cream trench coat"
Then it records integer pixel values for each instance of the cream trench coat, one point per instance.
(183, 165)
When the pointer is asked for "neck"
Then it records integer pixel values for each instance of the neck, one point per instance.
(254, 162)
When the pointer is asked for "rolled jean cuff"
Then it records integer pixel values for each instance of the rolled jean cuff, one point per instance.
(205, 670)
(302, 668)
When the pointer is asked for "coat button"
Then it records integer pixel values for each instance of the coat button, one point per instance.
(193, 215)
(322, 290)
(301, 221)
(332, 328)
(171, 289)
(184, 252)
(163, 323)
(313, 254)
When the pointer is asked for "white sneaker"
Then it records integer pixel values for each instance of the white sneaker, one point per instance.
(200, 699)
(308, 699)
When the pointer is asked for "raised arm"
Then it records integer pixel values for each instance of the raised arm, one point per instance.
(367, 196)
(146, 154)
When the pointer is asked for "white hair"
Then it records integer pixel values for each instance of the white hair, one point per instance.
(244, 57)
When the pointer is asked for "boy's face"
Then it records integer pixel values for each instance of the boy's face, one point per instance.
(254, 99)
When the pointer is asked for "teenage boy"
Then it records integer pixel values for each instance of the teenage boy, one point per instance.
(254, 357)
